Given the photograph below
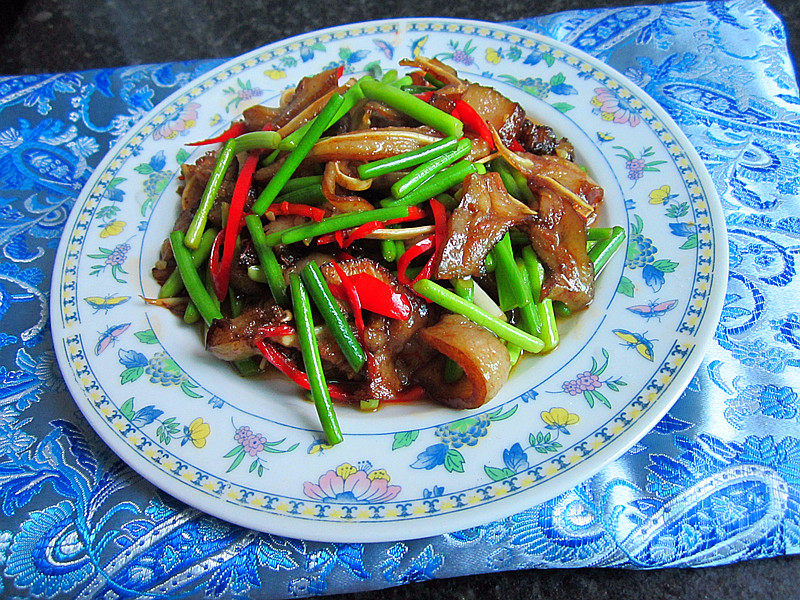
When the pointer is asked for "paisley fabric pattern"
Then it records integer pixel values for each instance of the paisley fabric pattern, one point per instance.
(716, 481)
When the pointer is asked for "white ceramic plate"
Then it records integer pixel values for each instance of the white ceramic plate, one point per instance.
(250, 451)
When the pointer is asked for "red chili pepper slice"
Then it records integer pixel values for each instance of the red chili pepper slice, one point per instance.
(339, 237)
(472, 120)
(286, 366)
(414, 213)
(361, 231)
(276, 330)
(352, 299)
(425, 96)
(379, 297)
(515, 146)
(328, 238)
(302, 210)
(339, 71)
(215, 257)
(418, 249)
(221, 275)
(414, 394)
(439, 222)
(235, 130)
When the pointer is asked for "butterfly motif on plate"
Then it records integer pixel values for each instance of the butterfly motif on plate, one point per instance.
(654, 309)
(418, 45)
(106, 303)
(109, 337)
(636, 341)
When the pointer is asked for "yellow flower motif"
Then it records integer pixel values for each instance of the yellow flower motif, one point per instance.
(379, 474)
(559, 417)
(275, 73)
(660, 195)
(215, 119)
(198, 432)
(113, 228)
(345, 470)
(493, 56)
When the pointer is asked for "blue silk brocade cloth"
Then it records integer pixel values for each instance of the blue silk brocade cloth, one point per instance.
(716, 481)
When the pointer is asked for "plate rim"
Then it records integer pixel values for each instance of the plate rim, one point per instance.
(327, 531)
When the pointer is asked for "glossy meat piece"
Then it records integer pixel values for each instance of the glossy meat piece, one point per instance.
(483, 358)
(557, 174)
(480, 220)
(232, 338)
(243, 258)
(558, 236)
(256, 117)
(308, 90)
(372, 144)
(498, 111)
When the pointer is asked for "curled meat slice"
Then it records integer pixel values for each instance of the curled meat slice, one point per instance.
(332, 180)
(483, 216)
(232, 338)
(483, 358)
(558, 174)
(498, 111)
(308, 90)
(256, 117)
(558, 236)
(371, 144)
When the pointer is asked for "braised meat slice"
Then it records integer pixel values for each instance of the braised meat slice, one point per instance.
(558, 236)
(483, 358)
(484, 214)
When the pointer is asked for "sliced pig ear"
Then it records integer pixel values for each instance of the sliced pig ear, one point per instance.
(480, 354)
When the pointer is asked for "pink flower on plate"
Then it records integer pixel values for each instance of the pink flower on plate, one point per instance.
(353, 485)
(177, 123)
(614, 109)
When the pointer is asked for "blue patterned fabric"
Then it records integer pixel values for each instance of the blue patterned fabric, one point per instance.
(716, 481)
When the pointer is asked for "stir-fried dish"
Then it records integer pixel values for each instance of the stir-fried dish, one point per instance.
(383, 241)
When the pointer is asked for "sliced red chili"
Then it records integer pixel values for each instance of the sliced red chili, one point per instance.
(473, 121)
(379, 297)
(235, 130)
(516, 146)
(339, 237)
(286, 366)
(276, 330)
(414, 394)
(339, 71)
(361, 231)
(302, 210)
(328, 238)
(426, 96)
(352, 298)
(418, 249)
(414, 213)
(221, 276)
(215, 257)
(439, 222)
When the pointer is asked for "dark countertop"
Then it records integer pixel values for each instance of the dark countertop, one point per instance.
(123, 32)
